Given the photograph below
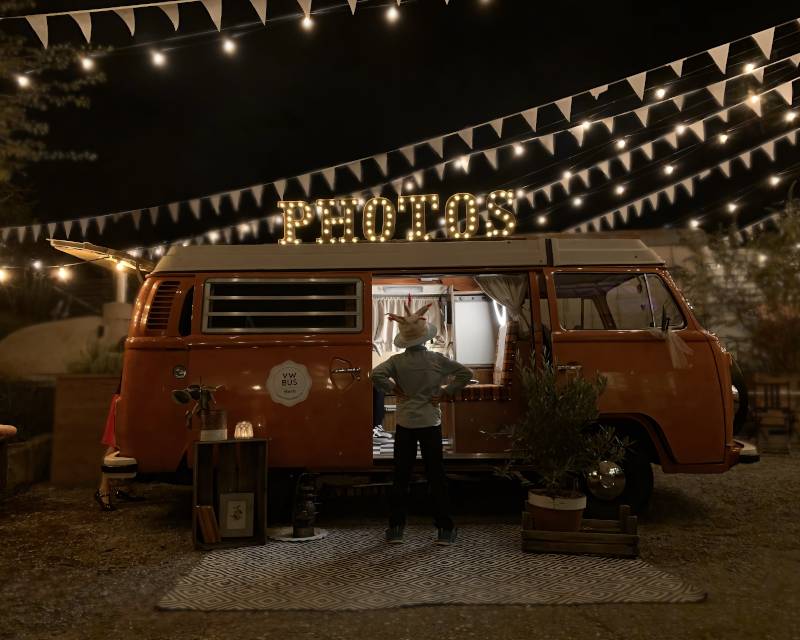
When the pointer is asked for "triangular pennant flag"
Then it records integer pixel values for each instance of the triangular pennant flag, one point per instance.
(418, 178)
(128, 18)
(305, 182)
(352, 4)
(531, 117)
(672, 139)
(171, 10)
(280, 188)
(215, 200)
(408, 154)
(565, 184)
(647, 150)
(725, 167)
(437, 144)
(637, 83)
(699, 129)
(747, 159)
(764, 41)
(174, 211)
(101, 223)
(194, 207)
(547, 143)
(36, 230)
(330, 177)
(214, 8)
(305, 5)
(625, 159)
(717, 90)
(20, 234)
(136, 216)
(491, 157)
(397, 185)
(497, 125)
(153, 213)
(236, 198)
(547, 190)
(261, 9)
(679, 100)
(51, 229)
(440, 170)
(382, 160)
(578, 133)
(677, 66)
(624, 213)
(357, 171)
(226, 234)
(466, 136)
(597, 91)
(653, 200)
(758, 74)
(565, 106)
(529, 197)
(642, 113)
(720, 55)
(606, 219)
(257, 191)
(83, 223)
(769, 148)
(688, 185)
(39, 25)
(604, 166)
(670, 193)
(704, 174)
(723, 115)
(795, 59)
(785, 92)
(84, 21)
(637, 207)
(608, 123)
(755, 105)
(583, 176)
(792, 137)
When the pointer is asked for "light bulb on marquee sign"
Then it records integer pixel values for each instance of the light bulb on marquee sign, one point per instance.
(379, 217)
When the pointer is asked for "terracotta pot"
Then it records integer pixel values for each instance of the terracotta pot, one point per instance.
(557, 514)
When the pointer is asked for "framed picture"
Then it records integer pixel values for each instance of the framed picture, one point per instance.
(236, 515)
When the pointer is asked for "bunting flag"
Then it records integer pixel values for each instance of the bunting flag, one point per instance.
(608, 123)
(670, 193)
(257, 192)
(565, 107)
(491, 157)
(758, 74)
(785, 92)
(466, 136)
(672, 139)
(717, 90)
(720, 55)
(437, 144)
(280, 188)
(625, 159)
(174, 209)
(305, 183)
(769, 148)
(215, 200)
(699, 129)
(548, 143)
(128, 18)
(136, 217)
(637, 83)
(440, 170)
(547, 190)
(746, 159)
(236, 198)
(39, 25)
(409, 154)
(647, 149)
(330, 177)
(153, 212)
(171, 11)
(382, 160)
(679, 100)
(642, 113)
(531, 116)
(101, 224)
(194, 207)
(688, 185)
(305, 5)
(725, 168)
(583, 176)
(677, 67)
(598, 91)
(84, 21)
(497, 125)
(764, 41)
(260, 7)
(604, 166)
(214, 8)
(578, 133)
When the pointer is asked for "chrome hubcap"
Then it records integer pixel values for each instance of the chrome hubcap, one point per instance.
(606, 481)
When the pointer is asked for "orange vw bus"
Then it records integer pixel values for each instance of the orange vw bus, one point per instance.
(252, 317)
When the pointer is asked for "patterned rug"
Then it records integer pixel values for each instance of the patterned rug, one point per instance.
(353, 569)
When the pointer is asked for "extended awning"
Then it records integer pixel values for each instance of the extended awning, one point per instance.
(103, 256)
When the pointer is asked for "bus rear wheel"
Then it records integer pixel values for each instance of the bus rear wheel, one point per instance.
(603, 498)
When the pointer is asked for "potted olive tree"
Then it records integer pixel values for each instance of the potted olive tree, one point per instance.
(559, 440)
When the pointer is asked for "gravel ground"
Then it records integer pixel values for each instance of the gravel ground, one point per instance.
(68, 571)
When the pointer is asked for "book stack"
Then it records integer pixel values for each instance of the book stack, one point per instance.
(207, 521)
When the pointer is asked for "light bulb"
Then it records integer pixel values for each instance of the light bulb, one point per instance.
(762, 258)
(669, 169)
(577, 202)
(228, 46)
(3, 275)
(120, 266)
(520, 193)
(464, 163)
(159, 251)
(790, 116)
(62, 274)
(518, 149)
(307, 22)
(586, 124)
(621, 144)
(731, 207)
(409, 185)
(723, 138)
(619, 190)
(774, 180)
(392, 14)
(660, 92)
(541, 220)
(441, 222)
(681, 128)
(87, 63)
(158, 58)
(37, 264)
(213, 236)
(749, 67)
(567, 175)
(755, 98)
(694, 223)
(23, 81)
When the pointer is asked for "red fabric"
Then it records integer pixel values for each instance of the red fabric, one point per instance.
(109, 435)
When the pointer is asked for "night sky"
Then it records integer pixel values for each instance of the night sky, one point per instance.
(290, 101)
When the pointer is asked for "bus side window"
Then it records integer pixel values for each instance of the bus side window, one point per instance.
(185, 320)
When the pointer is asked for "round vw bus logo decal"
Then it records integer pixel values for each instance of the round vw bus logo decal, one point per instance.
(288, 383)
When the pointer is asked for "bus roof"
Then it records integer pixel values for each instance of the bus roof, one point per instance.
(525, 251)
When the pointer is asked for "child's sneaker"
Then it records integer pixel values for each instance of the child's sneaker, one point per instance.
(394, 535)
(446, 537)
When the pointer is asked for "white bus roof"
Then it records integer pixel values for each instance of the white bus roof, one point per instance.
(593, 250)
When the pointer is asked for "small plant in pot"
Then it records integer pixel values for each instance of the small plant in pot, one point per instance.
(559, 440)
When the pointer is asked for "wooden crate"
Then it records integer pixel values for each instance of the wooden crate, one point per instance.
(231, 466)
(615, 538)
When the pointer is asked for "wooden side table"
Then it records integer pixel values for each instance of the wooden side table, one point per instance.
(230, 467)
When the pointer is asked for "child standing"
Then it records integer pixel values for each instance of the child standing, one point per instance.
(416, 377)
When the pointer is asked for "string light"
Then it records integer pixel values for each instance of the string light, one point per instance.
(790, 116)
(410, 185)
(308, 23)
(3, 275)
(392, 14)
(732, 207)
(23, 81)
(619, 190)
(37, 264)
(694, 223)
(680, 129)
(567, 175)
(621, 143)
(541, 220)
(63, 274)
(762, 258)
(520, 193)
(774, 181)
(586, 124)
(464, 162)
(669, 169)
(159, 250)
(158, 58)
(87, 63)
(755, 98)
(229, 46)
(577, 202)
(723, 138)
(519, 150)
(749, 67)
(661, 92)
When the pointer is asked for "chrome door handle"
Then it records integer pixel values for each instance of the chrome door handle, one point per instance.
(353, 371)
